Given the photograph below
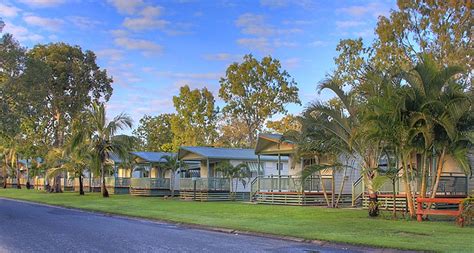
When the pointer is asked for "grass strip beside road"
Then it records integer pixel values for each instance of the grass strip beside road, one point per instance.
(314, 223)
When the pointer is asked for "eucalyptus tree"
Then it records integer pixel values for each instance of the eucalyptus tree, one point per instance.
(240, 172)
(102, 137)
(173, 164)
(195, 120)
(256, 90)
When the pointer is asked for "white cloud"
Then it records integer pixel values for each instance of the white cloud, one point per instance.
(145, 46)
(178, 28)
(83, 22)
(223, 57)
(285, 3)
(181, 75)
(22, 33)
(348, 24)
(317, 43)
(144, 23)
(127, 6)
(42, 3)
(267, 37)
(50, 24)
(283, 43)
(152, 11)
(261, 44)
(8, 11)
(375, 9)
(291, 63)
(264, 44)
(364, 33)
(255, 25)
(298, 22)
(119, 33)
(111, 54)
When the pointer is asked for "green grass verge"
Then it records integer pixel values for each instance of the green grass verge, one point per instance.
(336, 225)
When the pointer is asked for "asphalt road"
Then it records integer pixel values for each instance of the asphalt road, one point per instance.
(27, 227)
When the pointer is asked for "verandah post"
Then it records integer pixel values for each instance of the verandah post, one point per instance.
(279, 172)
(258, 172)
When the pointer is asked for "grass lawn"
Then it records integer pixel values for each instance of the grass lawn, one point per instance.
(337, 225)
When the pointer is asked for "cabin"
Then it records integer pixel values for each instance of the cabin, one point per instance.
(291, 188)
(454, 183)
(202, 182)
(143, 176)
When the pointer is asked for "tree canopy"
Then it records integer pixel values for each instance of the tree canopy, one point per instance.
(256, 90)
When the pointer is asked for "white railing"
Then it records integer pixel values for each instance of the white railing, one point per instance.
(150, 183)
(204, 184)
(287, 184)
(117, 181)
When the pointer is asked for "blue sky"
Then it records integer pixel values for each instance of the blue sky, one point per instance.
(151, 48)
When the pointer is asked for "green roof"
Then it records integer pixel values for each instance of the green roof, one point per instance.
(225, 153)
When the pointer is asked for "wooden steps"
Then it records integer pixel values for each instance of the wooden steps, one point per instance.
(149, 192)
(297, 199)
(213, 196)
(387, 202)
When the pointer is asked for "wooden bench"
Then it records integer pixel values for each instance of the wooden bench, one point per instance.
(456, 213)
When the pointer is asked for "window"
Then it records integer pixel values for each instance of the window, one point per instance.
(279, 166)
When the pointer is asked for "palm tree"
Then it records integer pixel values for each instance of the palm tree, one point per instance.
(102, 139)
(442, 112)
(345, 123)
(74, 160)
(10, 155)
(241, 172)
(313, 141)
(172, 163)
(3, 154)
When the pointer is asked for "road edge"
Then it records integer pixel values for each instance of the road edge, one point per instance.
(339, 245)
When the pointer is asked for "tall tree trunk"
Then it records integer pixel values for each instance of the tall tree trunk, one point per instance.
(439, 169)
(373, 198)
(56, 184)
(105, 193)
(408, 191)
(81, 186)
(424, 173)
(323, 187)
(333, 185)
(172, 183)
(18, 183)
(341, 189)
(5, 177)
(394, 197)
(58, 142)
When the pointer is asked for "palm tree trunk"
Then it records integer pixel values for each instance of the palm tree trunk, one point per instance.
(105, 193)
(394, 197)
(5, 173)
(423, 175)
(439, 169)
(408, 192)
(18, 185)
(172, 183)
(56, 184)
(81, 186)
(373, 198)
(341, 189)
(323, 187)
